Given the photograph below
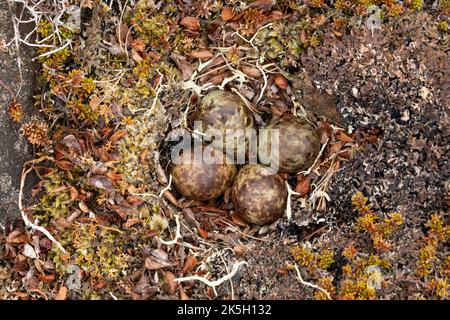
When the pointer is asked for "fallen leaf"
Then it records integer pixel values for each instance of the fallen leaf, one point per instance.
(237, 219)
(183, 65)
(119, 134)
(281, 81)
(189, 264)
(62, 293)
(73, 193)
(325, 131)
(152, 263)
(47, 277)
(341, 136)
(191, 23)
(171, 283)
(102, 182)
(303, 185)
(83, 207)
(64, 164)
(28, 251)
(183, 295)
(122, 33)
(240, 249)
(264, 5)
(227, 13)
(251, 71)
(203, 233)
(202, 54)
(335, 147)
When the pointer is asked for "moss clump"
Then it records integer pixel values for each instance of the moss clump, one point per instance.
(362, 273)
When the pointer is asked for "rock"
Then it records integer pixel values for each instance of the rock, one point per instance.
(14, 149)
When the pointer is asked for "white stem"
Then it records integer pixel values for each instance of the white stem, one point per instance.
(219, 281)
(309, 284)
(177, 234)
(25, 219)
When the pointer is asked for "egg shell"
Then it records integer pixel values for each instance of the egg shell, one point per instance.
(298, 144)
(259, 195)
(197, 180)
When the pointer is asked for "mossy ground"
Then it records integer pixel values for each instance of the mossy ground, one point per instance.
(130, 78)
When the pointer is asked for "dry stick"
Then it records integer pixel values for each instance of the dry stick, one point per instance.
(27, 222)
(219, 281)
(309, 284)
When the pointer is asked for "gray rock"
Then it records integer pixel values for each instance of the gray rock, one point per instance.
(14, 149)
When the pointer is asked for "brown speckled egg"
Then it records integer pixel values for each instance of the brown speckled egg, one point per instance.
(221, 110)
(299, 144)
(197, 179)
(259, 195)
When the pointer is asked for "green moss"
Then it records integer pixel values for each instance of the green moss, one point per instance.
(442, 26)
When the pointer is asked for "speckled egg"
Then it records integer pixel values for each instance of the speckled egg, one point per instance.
(298, 144)
(203, 178)
(221, 110)
(258, 194)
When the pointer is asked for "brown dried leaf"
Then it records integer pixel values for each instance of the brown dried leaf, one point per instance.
(320, 103)
(191, 23)
(189, 264)
(303, 185)
(325, 131)
(281, 81)
(102, 182)
(83, 207)
(73, 193)
(251, 71)
(183, 65)
(152, 263)
(237, 219)
(62, 293)
(202, 54)
(119, 134)
(183, 295)
(172, 284)
(203, 233)
(122, 32)
(341, 136)
(335, 147)
(227, 13)
(240, 249)
(66, 165)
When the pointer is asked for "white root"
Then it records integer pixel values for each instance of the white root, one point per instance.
(219, 281)
(315, 161)
(288, 204)
(167, 188)
(25, 219)
(309, 284)
(177, 234)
